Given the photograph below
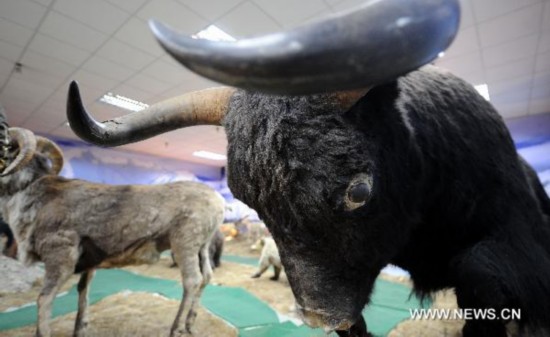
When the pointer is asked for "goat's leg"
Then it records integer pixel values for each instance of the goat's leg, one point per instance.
(191, 279)
(59, 262)
(82, 315)
(206, 270)
(264, 264)
(277, 270)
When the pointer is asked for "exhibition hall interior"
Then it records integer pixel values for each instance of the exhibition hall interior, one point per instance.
(262, 168)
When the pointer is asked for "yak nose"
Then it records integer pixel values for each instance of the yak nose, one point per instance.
(317, 318)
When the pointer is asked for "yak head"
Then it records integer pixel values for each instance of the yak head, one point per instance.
(26, 157)
(296, 152)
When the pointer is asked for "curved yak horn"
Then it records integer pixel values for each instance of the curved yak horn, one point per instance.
(201, 107)
(373, 44)
(52, 151)
(26, 142)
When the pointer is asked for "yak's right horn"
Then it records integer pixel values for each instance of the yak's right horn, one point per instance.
(201, 107)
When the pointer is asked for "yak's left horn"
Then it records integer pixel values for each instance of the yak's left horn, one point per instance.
(52, 151)
(376, 43)
(26, 142)
(203, 107)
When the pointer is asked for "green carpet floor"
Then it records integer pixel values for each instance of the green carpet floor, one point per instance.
(390, 304)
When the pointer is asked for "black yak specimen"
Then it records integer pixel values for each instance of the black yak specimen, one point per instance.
(358, 157)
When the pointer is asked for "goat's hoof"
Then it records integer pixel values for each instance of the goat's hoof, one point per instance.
(255, 276)
(274, 278)
(180, 333)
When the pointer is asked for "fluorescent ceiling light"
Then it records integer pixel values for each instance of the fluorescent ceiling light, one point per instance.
(209, 155)
(483, 90)
(213, 33)
(123, 102)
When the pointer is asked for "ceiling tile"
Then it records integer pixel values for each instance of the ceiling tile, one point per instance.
(89, 95)
(68, 30)
(462, 65)
(64, 131)
(247, 20)
(465, 42)
(520, 68)
(94, 81)
(27, 90)
(211, 9)
(133, 93)
(106, 68)
(43, 120)
(14, 33)
(44, 3)
(540, 95)
(136, 33)
(510, 51)
(48, 46)
(543, 62)
(171, 73)
(512, 110)
(511, 97)
(539, 105)
(347, 5)
(39, 77)
(47, 65)
(474, 78)
(171, 13)
(510, 26)
(466, 14)
(541, 85)
(333, 2)
(301, 10)
(148, 84)
(508, 87)
(23, 12)
(17, 113)
(124, 54)
(488, 9)
(544, 42)
(546, 17)
(10, 51)
(129, 6)
(6, 67)
(99, 14)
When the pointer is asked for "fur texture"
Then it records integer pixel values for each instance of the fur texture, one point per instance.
(450, 199)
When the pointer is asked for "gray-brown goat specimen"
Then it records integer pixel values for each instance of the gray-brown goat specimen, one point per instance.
(74, 226)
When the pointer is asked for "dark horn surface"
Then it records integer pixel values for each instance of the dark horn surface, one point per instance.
(378, 42)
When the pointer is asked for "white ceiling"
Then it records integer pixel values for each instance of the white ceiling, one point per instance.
(106, 46)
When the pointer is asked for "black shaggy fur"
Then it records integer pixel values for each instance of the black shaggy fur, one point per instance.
(451, 200)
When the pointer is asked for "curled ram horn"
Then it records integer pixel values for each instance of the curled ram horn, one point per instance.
(26, 144)
(206, 106)
(52, 151)
(378, 42)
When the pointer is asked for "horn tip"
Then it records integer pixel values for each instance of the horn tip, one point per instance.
(157, 27)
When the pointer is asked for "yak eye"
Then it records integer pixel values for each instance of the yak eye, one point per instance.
(358, 192)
